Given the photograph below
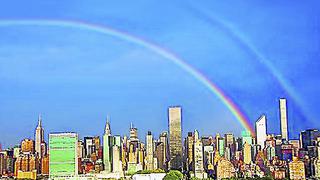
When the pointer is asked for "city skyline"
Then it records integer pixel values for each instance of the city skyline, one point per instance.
(76, 65)
(260, 126)
(195, 155)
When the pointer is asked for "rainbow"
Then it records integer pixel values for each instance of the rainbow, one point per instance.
(238, 38)
(234, 109)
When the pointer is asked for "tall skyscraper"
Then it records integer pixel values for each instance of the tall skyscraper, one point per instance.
(149, 140)
(284, 118)
(164, 140)
(116, 163)
(175, 140)
(107, 147)
(189, 150)
(198, 157)
(247, 157)
(39, 137)
(261, 131)
(63, 160)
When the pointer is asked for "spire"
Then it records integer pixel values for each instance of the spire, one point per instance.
(107, 130)
(131, 125)
(39, 120)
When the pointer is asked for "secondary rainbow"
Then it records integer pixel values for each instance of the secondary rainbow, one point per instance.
(234, 109)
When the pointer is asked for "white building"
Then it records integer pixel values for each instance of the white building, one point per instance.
(261, 131)
(284, 118)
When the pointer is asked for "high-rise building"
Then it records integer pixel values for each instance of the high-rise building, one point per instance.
(198, 157)
(80, 149)
(107, 147)
(116, 163)
(39, 137)
(27, 146)
(296, 169)
(149, 158)
(133, 133)
(45, 165)
(159, 153)
(284, 118)
(3, 164)
(261, 131)
(63, 159)
(225, 169)
(164, 140)
(189, 150)
(309, 138)
(221, 146)
(246, 137)
(230, 147)
(175, 140)
(89, 146)
(247, 157)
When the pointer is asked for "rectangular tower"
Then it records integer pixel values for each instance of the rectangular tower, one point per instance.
(149, 149)
(175, 141)
(63, 155)
(283, 118)
(261, 130)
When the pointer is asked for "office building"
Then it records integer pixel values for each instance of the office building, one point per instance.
(309, 138)
(164, 140)
(27, 146)
(63, 161)
(175, 131)
(107, 148)
(261, 131)
(225, 169)
(39, 137)
(247, 153)
(198, 157)
(149, 149)
(284, 119)
(296, 169)
(246, 137)
(189, 150)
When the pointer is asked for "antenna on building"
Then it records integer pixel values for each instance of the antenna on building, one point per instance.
(39, 120)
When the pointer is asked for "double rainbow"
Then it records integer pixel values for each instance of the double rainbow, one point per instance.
(234, 109)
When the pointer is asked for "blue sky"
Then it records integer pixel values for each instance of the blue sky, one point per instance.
(76, 77)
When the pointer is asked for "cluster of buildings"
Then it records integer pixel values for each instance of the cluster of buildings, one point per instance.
(220, 156)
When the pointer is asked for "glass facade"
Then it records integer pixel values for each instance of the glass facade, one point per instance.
(62, 154)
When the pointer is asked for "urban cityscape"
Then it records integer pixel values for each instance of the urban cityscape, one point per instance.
(173, 155)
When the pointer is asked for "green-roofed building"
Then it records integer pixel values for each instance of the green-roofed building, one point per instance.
(246, 137)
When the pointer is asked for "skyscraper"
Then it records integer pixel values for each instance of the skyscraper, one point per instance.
(164, 140)
(175, 141)
(149, 140)
(283, 118)
(189, 150)
(107, 147)
(261, 131)
(198, 157)
(63, 159)
(39, 137)
(116, 163)
(247, 158)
